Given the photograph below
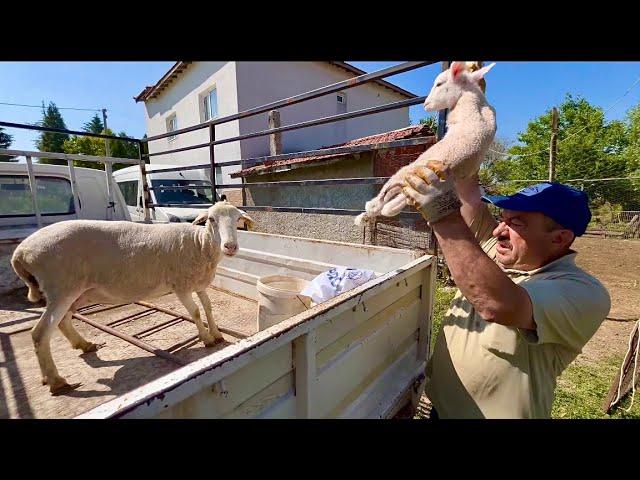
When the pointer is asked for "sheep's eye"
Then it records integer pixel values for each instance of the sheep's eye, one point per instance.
(438, 84)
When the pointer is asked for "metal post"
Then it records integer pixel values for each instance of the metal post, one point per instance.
(212, 161)
(553, 144)
(145, 185)
(34, 191)
(108, 170)
(442, 129)
(74, 187)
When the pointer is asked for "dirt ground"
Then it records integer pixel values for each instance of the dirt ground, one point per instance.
(116, 368)
(616, 263)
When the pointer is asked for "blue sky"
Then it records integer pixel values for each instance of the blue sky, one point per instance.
(520, 91)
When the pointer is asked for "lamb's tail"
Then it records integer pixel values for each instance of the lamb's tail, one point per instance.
(18, 264)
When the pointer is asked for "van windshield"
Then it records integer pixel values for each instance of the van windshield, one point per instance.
(200, 192)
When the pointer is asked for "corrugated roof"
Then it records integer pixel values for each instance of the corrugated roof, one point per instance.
(403, 133)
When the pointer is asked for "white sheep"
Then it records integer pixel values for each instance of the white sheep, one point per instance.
(80, 262)
(471, 127)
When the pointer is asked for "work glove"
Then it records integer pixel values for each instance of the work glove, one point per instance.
(431, 190)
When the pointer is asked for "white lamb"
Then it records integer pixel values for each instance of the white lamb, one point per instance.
(80, 262)
(471, 127)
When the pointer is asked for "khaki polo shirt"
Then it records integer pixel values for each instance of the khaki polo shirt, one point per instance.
(487, 370)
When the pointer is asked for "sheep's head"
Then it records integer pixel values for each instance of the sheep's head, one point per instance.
(449, 86)
(222, 220)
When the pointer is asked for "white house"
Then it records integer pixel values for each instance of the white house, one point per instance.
(193, 92)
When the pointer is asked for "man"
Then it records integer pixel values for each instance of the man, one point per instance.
(523, 310)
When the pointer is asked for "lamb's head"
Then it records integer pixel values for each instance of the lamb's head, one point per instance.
(221, 220)
(449, 86)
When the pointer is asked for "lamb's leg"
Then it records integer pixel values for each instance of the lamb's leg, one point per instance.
(208, 311)
(41, 334)
(75, 339)
(187, 300)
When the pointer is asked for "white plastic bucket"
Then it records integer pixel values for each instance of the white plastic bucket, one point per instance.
(279, 298)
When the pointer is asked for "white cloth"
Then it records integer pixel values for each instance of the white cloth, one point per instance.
(333, 282)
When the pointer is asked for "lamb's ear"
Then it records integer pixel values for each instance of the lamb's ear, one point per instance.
(456, 69)
(250, 222)
(480, 73)
(201, 219)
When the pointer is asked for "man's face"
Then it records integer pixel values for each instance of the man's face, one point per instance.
(529, 240)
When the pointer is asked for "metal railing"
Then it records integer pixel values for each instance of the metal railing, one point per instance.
(211, 124)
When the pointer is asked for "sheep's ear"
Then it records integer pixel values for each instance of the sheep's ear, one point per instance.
(250, 222)
(480, 73)
(201, 219)
(456, 69)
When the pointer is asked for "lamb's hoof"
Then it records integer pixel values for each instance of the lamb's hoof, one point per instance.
(61, 386)
(91, 347)
(362, 219)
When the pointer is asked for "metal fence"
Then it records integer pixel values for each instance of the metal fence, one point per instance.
(145, 155)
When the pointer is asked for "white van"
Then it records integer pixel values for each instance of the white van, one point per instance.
(55, 197)
(129, 181)
(55, 203)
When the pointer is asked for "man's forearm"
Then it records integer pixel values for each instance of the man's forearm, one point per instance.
(469, 193)
(494, 296)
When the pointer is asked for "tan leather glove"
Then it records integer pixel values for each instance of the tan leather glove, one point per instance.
(432, 191)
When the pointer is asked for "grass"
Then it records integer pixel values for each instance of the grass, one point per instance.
(582, 387)
(442, 301)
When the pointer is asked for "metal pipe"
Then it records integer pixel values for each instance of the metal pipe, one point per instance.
(343, 85)
(292, 183)
(128, 338)
(74, 187)
(228, 331)
(408, 142)
(63, 130)
(34, 191)
(296, 126)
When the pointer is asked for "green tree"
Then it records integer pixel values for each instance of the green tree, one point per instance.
(5, 142)
(432, 122)
(50, 141)
(78, 144)
(589, 147)
(95, 125)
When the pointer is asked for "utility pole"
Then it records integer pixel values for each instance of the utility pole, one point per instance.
(106, 141)
(554, 144)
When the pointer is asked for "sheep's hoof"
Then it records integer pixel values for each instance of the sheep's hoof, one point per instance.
(91, 347)
(213, 341)
(60, 386)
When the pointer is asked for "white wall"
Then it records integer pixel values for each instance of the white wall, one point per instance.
(182, 98)
(245, 85)
(263, 82)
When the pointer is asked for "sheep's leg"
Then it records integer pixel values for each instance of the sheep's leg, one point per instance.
(75, 339)
(208, 311)
(41, 335)
(187, 300)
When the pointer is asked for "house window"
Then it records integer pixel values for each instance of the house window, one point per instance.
(172, 126)
(342, 98)
(210, 105)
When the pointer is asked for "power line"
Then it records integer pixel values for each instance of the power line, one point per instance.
(59, 108)
(573, 134)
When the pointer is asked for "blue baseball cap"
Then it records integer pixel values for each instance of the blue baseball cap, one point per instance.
(566, 205)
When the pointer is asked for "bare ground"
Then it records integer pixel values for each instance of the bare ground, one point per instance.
(115, 369)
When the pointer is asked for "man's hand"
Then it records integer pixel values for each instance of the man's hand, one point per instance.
(432, 191)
